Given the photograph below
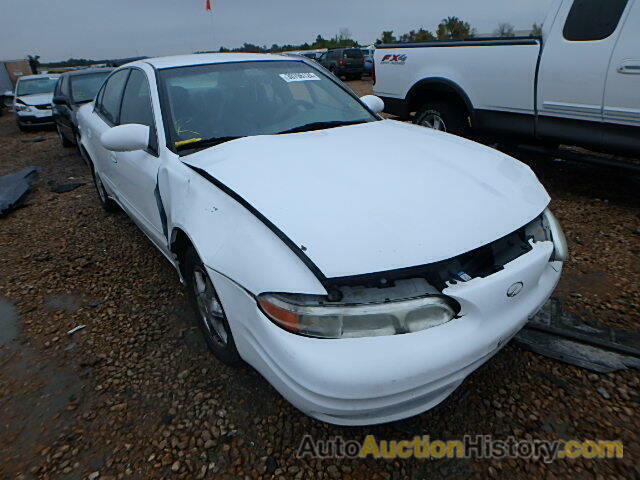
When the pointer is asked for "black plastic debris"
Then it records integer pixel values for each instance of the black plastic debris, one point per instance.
(33, 140)
(563, 336)
(65, 187)
(13, 188)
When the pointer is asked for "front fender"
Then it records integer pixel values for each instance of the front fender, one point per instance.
(228, 238)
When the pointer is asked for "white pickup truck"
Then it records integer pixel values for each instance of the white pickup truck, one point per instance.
(578, 84)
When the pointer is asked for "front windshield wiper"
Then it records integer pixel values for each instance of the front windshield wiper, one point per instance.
(197, 143)
(321, 125)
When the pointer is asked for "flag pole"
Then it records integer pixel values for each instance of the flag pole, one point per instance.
(207, 7)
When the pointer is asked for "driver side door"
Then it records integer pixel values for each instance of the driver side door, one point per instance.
(136, 173)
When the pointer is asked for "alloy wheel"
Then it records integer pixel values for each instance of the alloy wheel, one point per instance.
(209, 306)
(433, 120)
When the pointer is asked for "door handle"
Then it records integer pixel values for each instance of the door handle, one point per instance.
(630, 66)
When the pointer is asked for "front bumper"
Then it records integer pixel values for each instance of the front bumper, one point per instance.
(362, 381)
(41, 117)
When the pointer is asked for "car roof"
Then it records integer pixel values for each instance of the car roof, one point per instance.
(43, 75)
(86, 71)
(208, 58)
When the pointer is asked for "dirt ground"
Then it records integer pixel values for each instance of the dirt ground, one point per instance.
(135, 393)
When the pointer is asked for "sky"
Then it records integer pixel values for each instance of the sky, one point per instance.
(60, 29)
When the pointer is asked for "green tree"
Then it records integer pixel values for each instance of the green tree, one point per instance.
(452, 28)
(505, 30)
(421, 35)
(34, 63)
(536, 30)
(386, 37)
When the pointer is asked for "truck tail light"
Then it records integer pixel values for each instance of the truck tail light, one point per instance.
(341, 62)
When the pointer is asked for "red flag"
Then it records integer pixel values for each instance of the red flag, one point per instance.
(207, 5)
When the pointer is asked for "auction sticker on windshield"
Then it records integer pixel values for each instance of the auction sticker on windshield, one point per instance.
(299, 77)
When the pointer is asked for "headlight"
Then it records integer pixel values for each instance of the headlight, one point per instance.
(547, 228)
(308, 315)
(21, 107)
(560, 248)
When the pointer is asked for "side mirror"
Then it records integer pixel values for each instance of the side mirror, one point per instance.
(60, 100)
(375, 104)
(126, 138)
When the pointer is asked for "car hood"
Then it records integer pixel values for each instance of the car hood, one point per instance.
(378, 196)
(36, 99)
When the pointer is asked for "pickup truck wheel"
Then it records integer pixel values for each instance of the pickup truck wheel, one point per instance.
(209, 311)
(443, 116)
(107, 204)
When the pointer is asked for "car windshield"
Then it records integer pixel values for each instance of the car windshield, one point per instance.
(230, 100)
(85, 87)
(35, 86)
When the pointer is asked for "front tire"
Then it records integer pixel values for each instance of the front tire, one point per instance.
(64, 141)
(444, 116)
(211, 316)
(107, 204)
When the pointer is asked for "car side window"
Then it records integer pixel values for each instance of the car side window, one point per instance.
(136, 106)
(590, 20)
(136, 101)
(109, 107)
(64, 88)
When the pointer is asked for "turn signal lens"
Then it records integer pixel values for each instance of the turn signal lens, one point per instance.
(285, 318)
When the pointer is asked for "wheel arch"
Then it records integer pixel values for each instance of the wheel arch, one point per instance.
(437, 88)
(179, 243)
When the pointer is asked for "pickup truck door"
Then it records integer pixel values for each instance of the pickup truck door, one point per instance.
(136, 173)
(622, 92)
(573, 69)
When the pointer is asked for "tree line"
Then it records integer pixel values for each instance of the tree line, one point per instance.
(450, 28)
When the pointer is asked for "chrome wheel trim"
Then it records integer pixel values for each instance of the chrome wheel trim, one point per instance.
(209, 306)
(433, 120)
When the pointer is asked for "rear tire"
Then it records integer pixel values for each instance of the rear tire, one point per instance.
(444, 116)
(210, 314)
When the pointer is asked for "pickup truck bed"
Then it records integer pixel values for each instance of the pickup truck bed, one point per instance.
(576, 84)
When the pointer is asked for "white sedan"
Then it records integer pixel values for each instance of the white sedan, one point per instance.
(364, 266)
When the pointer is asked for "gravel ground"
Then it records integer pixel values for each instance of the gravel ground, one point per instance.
(135, 394)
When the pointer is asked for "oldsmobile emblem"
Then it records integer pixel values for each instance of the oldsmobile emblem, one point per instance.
(514, 289)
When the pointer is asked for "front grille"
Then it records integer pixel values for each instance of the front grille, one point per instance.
(44, 106)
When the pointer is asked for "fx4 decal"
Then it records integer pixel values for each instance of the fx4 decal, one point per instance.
(394, 59)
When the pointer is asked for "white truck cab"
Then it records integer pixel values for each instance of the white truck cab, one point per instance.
(576, 84)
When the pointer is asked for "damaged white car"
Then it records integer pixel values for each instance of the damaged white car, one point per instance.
(364, 266)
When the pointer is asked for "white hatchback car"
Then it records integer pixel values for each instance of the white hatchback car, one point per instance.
(364, 266)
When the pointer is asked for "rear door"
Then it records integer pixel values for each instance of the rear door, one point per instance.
(621, 111)
(574, 67)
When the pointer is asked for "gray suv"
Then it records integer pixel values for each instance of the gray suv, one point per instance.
(344, 62)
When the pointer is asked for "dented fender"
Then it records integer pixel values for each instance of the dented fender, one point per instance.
(229, 238)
